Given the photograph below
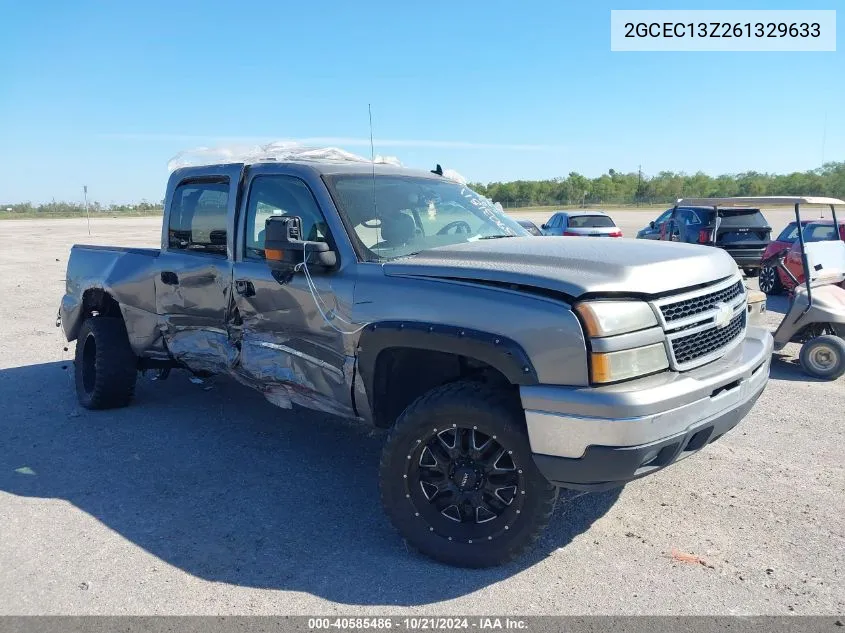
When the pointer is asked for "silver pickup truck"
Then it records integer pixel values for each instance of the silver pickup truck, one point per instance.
(505, 366)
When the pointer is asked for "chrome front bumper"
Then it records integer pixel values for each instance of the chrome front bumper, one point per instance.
(567, 422)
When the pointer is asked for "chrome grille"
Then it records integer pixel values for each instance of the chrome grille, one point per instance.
(691, 347)
(695, 323)
(696, 305)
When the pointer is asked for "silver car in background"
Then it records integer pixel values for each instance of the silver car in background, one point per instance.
(581, 224)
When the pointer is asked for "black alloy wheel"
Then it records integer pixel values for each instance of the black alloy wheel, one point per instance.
(464, 483)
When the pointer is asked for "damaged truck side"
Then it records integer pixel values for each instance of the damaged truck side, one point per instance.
(504, 366)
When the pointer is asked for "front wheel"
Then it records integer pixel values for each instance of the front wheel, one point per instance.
(458, 479)
(769, 281)
(824, 357)
(751, 272)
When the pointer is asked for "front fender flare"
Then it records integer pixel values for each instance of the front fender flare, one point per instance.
(500, 352)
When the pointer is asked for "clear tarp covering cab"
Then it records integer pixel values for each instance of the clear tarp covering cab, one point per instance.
(281, 151)
(277, 151)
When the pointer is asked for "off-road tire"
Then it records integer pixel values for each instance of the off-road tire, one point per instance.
(105, 367)
(833, 350)
(482, 411)
(769, 281)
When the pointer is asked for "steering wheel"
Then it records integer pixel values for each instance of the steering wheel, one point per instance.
(460, 227)
(372, 224)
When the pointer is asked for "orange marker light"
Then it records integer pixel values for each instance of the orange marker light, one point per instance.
(591, 323)
(599, 367)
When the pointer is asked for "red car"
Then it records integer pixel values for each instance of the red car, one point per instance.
(773, 280)
(771, 277)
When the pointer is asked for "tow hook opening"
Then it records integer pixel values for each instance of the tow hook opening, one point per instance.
(725, 388)
(699, 440)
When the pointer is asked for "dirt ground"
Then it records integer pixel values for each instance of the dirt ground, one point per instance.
(206, 499)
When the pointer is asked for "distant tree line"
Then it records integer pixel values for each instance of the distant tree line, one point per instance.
(616, 187)
(68, 209)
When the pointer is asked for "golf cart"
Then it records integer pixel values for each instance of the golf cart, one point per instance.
(816, 315)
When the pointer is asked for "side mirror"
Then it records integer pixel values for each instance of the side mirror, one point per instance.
(544, 226)
(651, 224)
(284, 247)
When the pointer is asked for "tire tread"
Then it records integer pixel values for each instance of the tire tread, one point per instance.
(115, 363)
(497, 401)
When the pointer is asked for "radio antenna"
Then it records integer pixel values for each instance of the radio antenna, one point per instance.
(373, 160)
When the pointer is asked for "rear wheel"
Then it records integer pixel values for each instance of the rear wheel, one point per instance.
(105, 367)
(824, 357)
(769, 281)
(458, 479)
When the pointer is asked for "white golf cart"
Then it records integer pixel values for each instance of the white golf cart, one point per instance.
(816, 315)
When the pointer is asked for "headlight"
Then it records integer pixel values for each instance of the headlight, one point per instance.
(606, 318)
(628, 363)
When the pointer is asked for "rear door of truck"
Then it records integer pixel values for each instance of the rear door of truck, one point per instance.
(193, 286)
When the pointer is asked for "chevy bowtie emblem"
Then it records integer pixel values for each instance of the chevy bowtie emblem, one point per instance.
(724, 314)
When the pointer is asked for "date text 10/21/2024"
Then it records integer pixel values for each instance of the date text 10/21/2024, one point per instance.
(421, 623)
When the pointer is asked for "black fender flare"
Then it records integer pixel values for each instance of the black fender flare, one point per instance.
(500, 352)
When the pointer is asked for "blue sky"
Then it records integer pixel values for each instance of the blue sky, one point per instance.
(105, 93)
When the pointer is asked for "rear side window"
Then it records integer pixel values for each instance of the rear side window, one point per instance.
(590, 221)
(743, 218)
(198, 217)
(689, 217)
(706, 215)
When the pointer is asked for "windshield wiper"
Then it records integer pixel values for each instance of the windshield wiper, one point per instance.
(494, 237)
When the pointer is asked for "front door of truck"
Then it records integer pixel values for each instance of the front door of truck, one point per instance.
(288, 348)
(195, 272)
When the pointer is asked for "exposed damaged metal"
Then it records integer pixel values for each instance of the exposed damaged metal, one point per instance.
(405, 299)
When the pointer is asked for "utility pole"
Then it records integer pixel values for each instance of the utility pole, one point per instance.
(639, 183)
(87, 215)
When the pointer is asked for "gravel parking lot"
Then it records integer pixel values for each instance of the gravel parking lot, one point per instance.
(206, 499)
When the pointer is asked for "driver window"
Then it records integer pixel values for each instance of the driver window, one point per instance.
(280, 195)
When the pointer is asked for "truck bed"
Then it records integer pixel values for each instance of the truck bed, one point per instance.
(127, 273)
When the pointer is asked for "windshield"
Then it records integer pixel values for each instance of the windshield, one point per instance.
(589, 221)
(397, 216)
(789, 234)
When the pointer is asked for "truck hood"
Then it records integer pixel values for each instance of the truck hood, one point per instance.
(572, 265)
